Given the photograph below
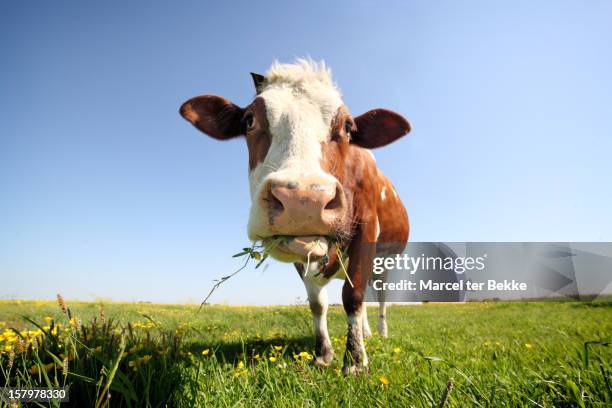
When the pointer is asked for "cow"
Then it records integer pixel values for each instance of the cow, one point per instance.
(314, 182)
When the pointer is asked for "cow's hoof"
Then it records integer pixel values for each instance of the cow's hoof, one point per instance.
(323, 361)
(382, 329)
(349, 370)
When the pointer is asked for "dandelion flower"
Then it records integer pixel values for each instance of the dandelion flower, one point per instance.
(239, 373)
(302, 356)
(384, 380)
(240, 365)
(397, 350)
(278, 348)
(528, 345)
(272, 359)
(256, 356)
(205, 352)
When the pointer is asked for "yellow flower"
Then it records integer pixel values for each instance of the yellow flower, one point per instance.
(139, 361)
(303, 356)
(97, 349)
(239, 373)
(528, 345)
(397, 350)
(240, 365)
(278, 348)
(256, 356)
(272, 359)
(384, 380)
(205, 352)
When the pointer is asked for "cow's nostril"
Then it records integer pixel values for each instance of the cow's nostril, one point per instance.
(335, 202)
(273, 202)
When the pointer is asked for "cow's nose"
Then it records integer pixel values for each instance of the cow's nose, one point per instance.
(310, 205)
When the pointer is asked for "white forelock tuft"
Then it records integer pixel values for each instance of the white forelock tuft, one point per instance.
(304, 71)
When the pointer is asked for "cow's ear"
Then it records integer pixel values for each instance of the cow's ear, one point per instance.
(379, 127)
(214, 115)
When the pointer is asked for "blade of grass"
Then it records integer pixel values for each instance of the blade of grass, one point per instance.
(111, 374)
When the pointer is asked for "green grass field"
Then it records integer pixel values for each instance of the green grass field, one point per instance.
(497, 354)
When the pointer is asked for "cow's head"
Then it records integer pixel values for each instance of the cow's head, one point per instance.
(299, 134)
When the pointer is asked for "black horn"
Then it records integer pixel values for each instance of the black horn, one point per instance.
(258, 81)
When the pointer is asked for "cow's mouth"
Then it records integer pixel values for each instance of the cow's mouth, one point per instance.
(297, 248)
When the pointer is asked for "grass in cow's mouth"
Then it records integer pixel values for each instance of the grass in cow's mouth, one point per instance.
(260, 251)
(339, 253)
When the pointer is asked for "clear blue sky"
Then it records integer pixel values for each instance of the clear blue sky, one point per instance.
(105, 191)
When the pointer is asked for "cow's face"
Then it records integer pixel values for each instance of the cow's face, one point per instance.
(298, 133)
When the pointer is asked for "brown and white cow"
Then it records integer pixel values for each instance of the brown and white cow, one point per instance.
(313, 179)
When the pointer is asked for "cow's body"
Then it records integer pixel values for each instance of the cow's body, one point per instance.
(314, 182)
(383, 224)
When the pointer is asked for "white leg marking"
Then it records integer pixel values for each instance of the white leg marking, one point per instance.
(382, 319)
(317, 298)
(355, 325)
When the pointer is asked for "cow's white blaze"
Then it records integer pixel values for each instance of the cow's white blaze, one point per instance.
(301, 101)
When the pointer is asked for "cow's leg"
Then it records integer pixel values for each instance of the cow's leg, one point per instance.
(382, 319)
(360, 253)
(355, 357)
(317, 298)
(367, 332)
(382, 310)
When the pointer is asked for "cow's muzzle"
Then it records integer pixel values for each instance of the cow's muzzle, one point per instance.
(307, 208)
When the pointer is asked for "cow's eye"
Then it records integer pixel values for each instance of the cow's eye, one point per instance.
(348, 126)
(249, 121)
